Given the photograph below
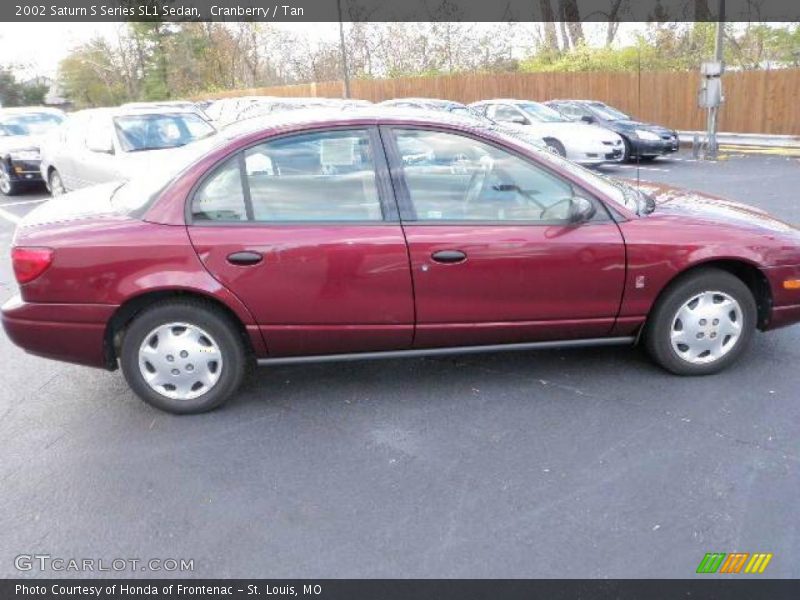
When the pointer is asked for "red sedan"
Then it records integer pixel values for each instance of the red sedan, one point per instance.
(366, 235)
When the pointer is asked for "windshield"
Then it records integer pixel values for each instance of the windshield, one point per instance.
(30, 123)
(159, 131)
(542, 113)
(608, 113)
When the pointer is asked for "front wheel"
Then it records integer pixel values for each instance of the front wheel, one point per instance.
(183, 356)
(8, 186)
(702, 323)
(556, 147)
(55, 183)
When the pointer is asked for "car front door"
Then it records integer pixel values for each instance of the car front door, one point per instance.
(494, 256)
(304, 230)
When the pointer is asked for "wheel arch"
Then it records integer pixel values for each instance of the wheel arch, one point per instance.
(128, 310)
(748, 272)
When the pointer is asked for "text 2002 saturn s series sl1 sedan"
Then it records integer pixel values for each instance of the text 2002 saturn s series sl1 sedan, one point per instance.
(365, 235)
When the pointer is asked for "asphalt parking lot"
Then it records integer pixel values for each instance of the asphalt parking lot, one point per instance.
(579, 463)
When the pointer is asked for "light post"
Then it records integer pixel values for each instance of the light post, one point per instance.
(345, 74)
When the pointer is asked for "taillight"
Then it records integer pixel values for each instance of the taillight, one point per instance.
(29, 263)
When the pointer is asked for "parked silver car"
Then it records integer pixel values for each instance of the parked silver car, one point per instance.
(579, 142)
(114, 144)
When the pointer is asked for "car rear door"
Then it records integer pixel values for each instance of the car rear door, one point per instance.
(305, 230)
(493, 256)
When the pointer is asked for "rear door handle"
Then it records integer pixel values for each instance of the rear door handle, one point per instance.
(245, 258)
(449, 256)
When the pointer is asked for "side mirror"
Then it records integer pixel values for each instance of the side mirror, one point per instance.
(587, 119)
(520, 120)
(102, 144)
(581, 210)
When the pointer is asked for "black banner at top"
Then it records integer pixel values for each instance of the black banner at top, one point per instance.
(399, 589)
(399, 10)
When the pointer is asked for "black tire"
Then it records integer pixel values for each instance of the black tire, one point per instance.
(556, 147)
(8, 186)
(627, 150)
(660, 322)
(55, 183)
(199, 313)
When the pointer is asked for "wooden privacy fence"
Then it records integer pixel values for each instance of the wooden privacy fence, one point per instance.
(755, 101)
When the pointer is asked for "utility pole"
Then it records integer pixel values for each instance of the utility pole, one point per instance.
(713, 109)
(345, 74)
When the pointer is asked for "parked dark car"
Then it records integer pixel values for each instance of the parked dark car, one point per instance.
(642, 140)
(318, 238)
(22, 131)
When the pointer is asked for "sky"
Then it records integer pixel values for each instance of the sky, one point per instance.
(36, 48)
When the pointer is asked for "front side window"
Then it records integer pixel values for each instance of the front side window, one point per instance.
(507, 114)
(326, 176)
(451, 177)
(541, 113)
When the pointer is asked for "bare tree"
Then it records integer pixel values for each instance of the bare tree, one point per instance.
(572, 16)
(613, 21)
(550, 38)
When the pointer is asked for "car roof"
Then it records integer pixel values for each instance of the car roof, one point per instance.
(322, 116)
(20, 110)
(504, 101)
(438, 101)
(577, 100)
(118, 111)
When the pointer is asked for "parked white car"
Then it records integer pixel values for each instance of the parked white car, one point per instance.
(577, 141)
(115, 144)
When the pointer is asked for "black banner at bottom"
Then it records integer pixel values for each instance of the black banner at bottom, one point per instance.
(399, 589)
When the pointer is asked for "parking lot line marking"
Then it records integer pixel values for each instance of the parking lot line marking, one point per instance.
(9, 216)
(20, 202)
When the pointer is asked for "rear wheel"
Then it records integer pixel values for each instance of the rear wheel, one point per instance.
(702, 323)
(183, 356)
(8, 186)
(56, 185)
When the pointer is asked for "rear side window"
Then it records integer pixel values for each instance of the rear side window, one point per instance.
(325, 176)
(221, 196)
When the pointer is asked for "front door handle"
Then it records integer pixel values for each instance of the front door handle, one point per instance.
(245, 258)
(449, 256)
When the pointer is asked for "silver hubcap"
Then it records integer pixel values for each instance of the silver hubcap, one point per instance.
(180, 361)
(706, 327)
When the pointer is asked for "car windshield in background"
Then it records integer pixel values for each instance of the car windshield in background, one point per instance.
(608, 113)
(542, 113)
(160, 131)
(30, 123)
(136, 194)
